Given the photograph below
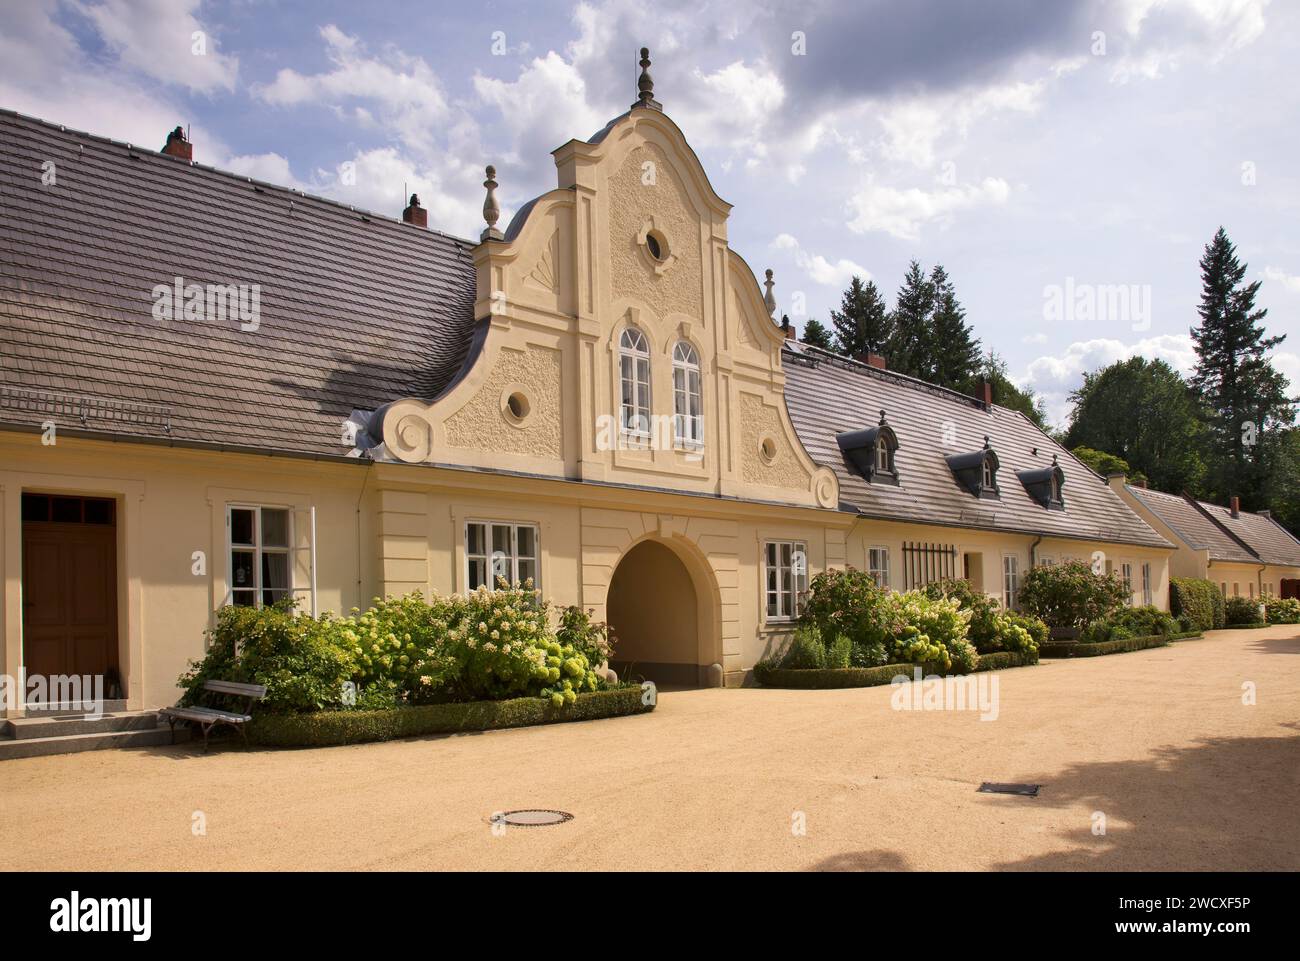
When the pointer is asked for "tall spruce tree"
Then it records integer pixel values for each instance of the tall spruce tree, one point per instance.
(909, 346)
(816, 335)
(862, 323)
(1245, 398)
(954, 355)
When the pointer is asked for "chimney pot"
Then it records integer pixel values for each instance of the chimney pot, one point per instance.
(1234, 505)
(787, 328)
(415, 214)
(178, 146)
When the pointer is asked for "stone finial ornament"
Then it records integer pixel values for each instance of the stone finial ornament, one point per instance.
(491, 209)
(768, 300)
(882, 418)
(645, 85)
(986, 441)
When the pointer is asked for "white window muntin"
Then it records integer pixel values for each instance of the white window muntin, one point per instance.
(878, 566)
(1010, 581)
(262, 558)
(785, 578)
(501, 549)
(688, 398)
(634, 384)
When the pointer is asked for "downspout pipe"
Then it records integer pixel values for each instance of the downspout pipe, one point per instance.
(1033, 551)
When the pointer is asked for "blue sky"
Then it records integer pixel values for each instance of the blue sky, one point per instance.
(1044, 153)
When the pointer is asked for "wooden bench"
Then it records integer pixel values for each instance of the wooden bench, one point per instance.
(209, 717)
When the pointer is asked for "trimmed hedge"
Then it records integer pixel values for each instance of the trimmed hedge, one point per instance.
(1109, 647)
(829, 678)
(1196, 602)
(331, 728)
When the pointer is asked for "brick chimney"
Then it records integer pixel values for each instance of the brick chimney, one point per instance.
(1140, 482)
(988, 394)
(787, 328)
(415, 214)
(1234, 505)
(178, 146)
(872, 359)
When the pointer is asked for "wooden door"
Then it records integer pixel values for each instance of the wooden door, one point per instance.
(69, 585)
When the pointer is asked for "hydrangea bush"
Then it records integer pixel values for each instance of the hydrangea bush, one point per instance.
(485, 645)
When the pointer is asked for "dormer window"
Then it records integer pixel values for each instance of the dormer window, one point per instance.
(871, 452)
(1044, 485)
(977, 471)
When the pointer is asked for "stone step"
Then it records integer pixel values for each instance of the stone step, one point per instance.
(78, 707)
(42, 725)
(14, 748)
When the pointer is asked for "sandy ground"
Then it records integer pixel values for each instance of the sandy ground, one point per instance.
(1159, 742)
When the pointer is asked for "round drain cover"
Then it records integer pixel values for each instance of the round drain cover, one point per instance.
(531, 817)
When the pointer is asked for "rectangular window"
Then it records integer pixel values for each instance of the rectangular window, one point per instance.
(688, 417)
(1223, 588)
(1010, 581)
(1146, 584)
(1126, 574)
(500, 550)
(1236, 589)
(1045, 562)
(878, 566)
(1250, 589)
(260, 568)
(785, 578)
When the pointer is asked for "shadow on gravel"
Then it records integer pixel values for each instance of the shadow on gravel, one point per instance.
(1225, 804)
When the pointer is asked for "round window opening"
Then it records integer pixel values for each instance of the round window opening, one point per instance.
(768, 449)
(517, 407)
(655, 243)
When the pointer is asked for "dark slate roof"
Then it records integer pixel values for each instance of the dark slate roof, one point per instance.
(827, 395)
(1196, 529)
(356, 309)
(1266, 538)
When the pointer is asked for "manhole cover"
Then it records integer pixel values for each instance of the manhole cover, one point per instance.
(1027, 790)
(531, 817)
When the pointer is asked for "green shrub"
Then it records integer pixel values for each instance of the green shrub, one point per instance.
(934, 631)
(847, 601)
(324, 729)
(805, 652)
(1129, 622)
(592, 639)
(1241, 610)
(1197, 603)
(1071, 595)
(1281, 611)
(990, 628)
(768, 674)
(982, 628)
(1116, 645)
(487, 645)
(872, 654)
(839, 653)
(298, 658)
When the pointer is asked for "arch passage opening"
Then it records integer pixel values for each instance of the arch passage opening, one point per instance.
(654, 612)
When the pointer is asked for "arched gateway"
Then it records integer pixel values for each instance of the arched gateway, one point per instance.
(662, 609)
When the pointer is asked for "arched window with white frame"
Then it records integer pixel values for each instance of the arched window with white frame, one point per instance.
(688, 402)
(634, 377)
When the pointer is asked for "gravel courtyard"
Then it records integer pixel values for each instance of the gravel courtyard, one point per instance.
(1159, 742)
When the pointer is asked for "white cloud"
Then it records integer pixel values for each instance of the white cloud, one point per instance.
(1290, 281)
(914, 127)
(545, 107)
(1164, 34)
(1039, 338)
(382, 179)
(1054, 376)
(818, 268)
(406, 93)
(1288, 364)
(164, 40)
(902, 213)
